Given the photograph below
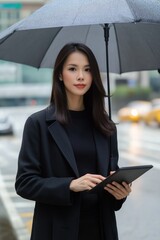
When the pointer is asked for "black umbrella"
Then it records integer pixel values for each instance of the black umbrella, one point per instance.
(123, 34)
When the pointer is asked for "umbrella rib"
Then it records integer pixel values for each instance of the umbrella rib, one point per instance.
(132, 11)
(118, 50)
(48, 48)
(87, 33)
(78, 11)
(5, 38)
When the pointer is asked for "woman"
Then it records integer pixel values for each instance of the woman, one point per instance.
(65, 152)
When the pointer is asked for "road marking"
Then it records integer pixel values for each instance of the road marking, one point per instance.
(16, 221)
(23, 204)
(141, 145)
(9, 184)
(29, 225)
(8, 177)
(139, 160)
(29, 222)
(26, 214)
(12, 194)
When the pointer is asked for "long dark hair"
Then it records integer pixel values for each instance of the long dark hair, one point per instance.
(94, 99)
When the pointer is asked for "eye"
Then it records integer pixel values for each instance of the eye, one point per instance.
(72, 69)
(88, 69)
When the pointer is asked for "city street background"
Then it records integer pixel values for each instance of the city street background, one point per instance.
(138, 144)
(24, 90)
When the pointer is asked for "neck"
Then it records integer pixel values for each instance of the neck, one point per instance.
(76, 104)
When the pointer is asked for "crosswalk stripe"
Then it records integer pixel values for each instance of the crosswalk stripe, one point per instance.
(9, 177)
(23, 204)
(15, 219)
(130, 157)
(26, 214)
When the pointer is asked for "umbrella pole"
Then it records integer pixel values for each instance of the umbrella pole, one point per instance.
(106, 38)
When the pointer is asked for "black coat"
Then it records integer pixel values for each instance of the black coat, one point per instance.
(46, 167)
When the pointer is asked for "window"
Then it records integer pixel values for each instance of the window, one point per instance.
(8, 16)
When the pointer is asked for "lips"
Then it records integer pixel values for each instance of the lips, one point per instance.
(80, 86)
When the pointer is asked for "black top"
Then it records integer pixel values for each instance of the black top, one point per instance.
(80, 133)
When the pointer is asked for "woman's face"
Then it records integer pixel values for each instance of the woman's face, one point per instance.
(76, 75)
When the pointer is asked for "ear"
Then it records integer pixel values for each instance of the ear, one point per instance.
(60, 77)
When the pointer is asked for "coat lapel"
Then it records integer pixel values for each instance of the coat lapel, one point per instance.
(62, 140)
(59, 135)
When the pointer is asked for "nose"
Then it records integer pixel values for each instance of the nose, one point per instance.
(80, 75)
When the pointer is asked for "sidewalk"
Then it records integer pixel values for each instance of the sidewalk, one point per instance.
(6, 231)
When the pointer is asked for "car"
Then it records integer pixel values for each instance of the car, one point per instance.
(134, 111)
(6, 127)
(155, 102)
(153, 116)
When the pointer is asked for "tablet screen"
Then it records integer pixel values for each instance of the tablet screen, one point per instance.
(124, 174)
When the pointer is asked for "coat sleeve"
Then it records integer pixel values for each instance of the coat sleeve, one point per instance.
(29, 181)
(114, 166)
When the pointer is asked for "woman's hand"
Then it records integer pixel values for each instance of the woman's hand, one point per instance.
(86, 182)
(119, 191)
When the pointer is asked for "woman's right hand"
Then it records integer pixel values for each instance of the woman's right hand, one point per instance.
(86, 182)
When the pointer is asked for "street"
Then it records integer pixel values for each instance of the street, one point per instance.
(138, 145)
(139, 218)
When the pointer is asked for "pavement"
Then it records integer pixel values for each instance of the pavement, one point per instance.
(11, 224)
(6, 230)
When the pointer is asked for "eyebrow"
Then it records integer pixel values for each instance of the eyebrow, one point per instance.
(75, 65)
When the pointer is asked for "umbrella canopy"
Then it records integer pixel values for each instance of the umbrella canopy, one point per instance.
(37, 39)
(125, 30)
(132, 47)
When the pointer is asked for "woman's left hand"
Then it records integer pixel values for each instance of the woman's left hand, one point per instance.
(119, 191)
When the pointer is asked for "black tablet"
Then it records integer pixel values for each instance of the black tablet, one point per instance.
(124, 174)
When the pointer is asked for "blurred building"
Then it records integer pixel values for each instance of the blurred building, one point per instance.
(12, 11)
(16, 76)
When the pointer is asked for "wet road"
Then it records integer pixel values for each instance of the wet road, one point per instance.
(138, 144)
(139, 218)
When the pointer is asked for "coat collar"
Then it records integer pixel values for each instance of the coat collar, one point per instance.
(59, 135)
